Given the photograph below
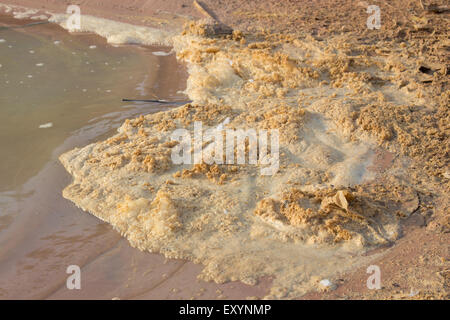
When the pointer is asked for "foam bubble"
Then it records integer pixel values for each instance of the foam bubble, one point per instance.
(161, 53)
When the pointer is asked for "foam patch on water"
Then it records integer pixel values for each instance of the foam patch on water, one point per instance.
(20, 12)
(6, 8)
(40, 17)
(161, 53)
(46, 125)
(114, 32)
(117, 32)
(24, 14)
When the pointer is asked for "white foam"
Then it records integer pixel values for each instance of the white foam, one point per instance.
(46, 125)
(41, 17)
(161, 53)
(24, 14)
(326, 283)
(117, 32)
(7, 8)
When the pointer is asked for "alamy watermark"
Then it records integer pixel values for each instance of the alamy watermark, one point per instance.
(374, 281)
(74, 280)
(208, 147)
(374, 20)
(73, 23)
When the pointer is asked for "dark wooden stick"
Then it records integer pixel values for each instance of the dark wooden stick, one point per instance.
(156, 101)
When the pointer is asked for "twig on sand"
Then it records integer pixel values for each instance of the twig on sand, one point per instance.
(207, 13)
(157, 101)
(217, 26)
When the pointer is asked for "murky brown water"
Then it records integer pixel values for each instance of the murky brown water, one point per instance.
(49, 76)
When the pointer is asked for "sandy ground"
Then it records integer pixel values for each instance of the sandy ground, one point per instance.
(417, 265)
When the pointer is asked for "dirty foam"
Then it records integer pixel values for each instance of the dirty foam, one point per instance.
(315, 218)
